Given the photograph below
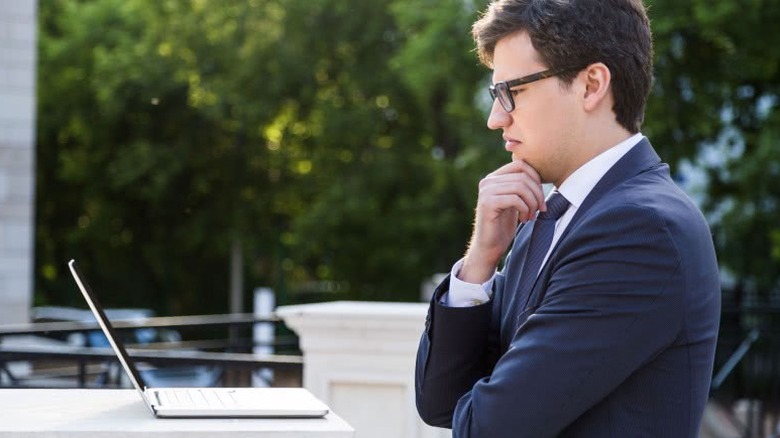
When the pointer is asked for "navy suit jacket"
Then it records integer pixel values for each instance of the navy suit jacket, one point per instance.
(616, 338)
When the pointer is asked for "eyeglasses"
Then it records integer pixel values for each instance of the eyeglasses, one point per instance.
(503, 90)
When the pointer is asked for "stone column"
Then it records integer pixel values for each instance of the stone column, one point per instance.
(18, 24)
(359, 358)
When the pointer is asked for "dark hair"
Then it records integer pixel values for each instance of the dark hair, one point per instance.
(578, 33)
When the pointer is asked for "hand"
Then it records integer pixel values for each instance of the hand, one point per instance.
(508, 196)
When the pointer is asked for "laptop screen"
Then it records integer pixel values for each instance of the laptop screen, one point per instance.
(108, 329)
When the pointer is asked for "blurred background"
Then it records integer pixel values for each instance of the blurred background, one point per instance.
(333, 146)
(189, 151)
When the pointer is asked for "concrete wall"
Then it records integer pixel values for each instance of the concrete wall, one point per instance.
(18, 30)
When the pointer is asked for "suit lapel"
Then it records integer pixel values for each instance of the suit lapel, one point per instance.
(640, 158)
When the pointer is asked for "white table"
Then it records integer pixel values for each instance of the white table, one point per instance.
(120, 413)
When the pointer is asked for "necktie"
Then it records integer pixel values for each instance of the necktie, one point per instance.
(541, 238)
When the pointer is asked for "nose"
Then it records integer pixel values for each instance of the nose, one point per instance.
(498, 117)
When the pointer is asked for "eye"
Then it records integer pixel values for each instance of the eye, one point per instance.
(515, 92)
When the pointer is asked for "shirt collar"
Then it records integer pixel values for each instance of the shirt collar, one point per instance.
(579, 184)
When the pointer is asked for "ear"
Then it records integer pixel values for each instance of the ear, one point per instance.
(597, 79)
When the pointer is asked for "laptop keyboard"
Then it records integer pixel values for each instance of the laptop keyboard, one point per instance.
(196, 397)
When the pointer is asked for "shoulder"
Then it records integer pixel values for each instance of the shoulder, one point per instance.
(646, 210)
(655, 195)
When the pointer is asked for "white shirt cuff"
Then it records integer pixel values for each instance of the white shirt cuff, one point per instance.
(462, 294)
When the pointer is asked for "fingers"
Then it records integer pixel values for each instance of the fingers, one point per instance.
(510, 194)
(519, 166)
(518, 195)
(523, 185)
(497, 202)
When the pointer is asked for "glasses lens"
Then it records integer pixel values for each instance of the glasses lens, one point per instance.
(504, 97)
(492, 91)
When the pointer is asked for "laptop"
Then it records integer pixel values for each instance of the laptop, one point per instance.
(204, 402)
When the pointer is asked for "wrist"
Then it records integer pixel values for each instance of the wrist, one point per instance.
(477, 268)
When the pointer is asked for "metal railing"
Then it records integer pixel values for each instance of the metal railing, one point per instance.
(747, 369)
(228, 358)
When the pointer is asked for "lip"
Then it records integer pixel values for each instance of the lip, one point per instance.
(510, 143)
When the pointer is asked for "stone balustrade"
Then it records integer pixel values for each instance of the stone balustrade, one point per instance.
(359, 359)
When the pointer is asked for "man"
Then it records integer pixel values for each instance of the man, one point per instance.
(603, 320)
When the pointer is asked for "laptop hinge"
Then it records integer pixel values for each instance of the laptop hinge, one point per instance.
(153, 396)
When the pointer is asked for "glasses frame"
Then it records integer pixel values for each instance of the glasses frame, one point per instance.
(505, 87)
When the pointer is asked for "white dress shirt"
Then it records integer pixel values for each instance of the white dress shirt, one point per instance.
(575, 189)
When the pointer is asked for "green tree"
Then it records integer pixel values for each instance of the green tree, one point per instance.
(714, 106)
(341, 142)
(296, 127)
(398, 211)
(150, 165)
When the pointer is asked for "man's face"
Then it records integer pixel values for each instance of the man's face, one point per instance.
(542, 128)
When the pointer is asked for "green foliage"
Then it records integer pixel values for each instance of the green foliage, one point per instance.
(168, 130)
(340, 141)
(714, 104)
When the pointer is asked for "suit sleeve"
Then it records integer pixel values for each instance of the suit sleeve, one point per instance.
(456, 349)
(613, 301)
